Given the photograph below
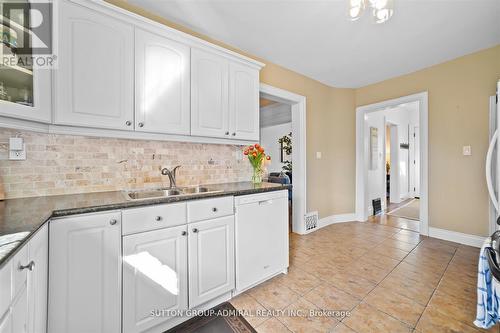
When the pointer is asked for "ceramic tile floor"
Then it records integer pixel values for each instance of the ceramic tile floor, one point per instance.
(389, 279)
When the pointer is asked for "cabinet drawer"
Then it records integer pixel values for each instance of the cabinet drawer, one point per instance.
(5, 288)
(153, 217)
(209, 208)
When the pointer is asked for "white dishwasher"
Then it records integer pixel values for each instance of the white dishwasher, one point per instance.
(261, 240)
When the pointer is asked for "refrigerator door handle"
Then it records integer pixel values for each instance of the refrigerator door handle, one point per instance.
(489, 180)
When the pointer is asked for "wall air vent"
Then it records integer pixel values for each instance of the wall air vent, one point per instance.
(311, 221)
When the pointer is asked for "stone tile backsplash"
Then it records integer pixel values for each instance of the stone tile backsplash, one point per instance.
(64, 164)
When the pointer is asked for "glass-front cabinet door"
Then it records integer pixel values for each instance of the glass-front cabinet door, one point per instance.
(25, 74)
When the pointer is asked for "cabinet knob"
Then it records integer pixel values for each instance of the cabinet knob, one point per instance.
(158, 218)
(227, 133)
(214, 209)
(195, 230)
(184, 233)
(234, 134)
(113, 222)
(128, 123)
(141, 124)
(29, 266)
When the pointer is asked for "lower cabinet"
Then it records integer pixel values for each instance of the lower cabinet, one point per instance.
(154, 277)
(23, 283)
(85, 274)
(211, 259)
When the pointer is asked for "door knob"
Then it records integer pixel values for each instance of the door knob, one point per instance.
(29, 266)
(195, 230)
(184, 233)
(234, 134)
(214, 209)
(227, 133)
(113, 222)
(158, 218)
(141, 124)
(128, 123)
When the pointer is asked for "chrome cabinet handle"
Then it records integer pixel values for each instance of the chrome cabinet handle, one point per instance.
(29, 266)
(128, 123)
(141, 124)
(184, 233)
(234, 134)
(158, 218)
(214, 209)
(113, 222)
(195, 230)
(227, 133)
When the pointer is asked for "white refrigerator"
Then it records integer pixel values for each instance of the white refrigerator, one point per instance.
(493, 162)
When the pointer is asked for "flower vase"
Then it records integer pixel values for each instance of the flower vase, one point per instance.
(257, 176)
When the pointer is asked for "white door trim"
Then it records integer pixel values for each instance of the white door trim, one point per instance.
(298, 106)
(362, 162)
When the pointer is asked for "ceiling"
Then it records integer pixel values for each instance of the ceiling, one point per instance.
(316, 38)
(275, 114)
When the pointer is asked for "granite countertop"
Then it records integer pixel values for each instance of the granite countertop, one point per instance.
(21, 218)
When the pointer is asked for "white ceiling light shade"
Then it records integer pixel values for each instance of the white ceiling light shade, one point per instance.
(382, 10)
(356, 9)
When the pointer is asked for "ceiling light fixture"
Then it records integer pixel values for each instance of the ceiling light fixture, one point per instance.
(382, 10)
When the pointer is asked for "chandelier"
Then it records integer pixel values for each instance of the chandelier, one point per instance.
(382, 10)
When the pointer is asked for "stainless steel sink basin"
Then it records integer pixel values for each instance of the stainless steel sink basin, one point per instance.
(151, 194)
(164, 193)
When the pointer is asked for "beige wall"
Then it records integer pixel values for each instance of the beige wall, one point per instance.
(459, 93)
(330, 121)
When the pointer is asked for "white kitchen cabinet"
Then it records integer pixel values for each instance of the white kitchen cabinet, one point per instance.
(162, 84)
(209, 94)
(261, 237)
(38, 249)
(154, 277)
(211, 259)
(244, 102)
(85, 274)
(95, 76)
(23, 283)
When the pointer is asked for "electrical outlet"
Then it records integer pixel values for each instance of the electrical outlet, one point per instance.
(18, 155)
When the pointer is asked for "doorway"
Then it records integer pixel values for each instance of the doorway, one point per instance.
(297, 107)
(393, 168)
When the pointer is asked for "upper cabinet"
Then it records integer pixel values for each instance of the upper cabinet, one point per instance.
(209, 94)
(224, 97)
(95, 78)
(162, 84)
(244, 102)
(25, 87)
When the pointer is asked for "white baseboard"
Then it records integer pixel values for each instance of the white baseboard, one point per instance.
(340, 218)
(457, 237)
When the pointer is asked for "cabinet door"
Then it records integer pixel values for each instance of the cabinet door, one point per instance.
(38, 249)
(154, 277)
(85, 274)
(19, 312)
(211, 259)
(6, 323)
(244, 102)
(162, 84)
(95, 78)
(209, 95)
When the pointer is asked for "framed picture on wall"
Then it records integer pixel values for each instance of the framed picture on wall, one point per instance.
(374, 148)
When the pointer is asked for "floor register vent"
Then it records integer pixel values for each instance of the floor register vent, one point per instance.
(311, 220)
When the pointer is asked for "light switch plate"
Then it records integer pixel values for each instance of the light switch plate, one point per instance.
(18, 155)
(318, 155)
(467, 150)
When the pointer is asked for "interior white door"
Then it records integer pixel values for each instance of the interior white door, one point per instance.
(209, 94)
(416, 162)
(162, 84)
(244, 102)
(154, 276)
(85, 274)
(38, 281)
(211, 259)
(95, 78)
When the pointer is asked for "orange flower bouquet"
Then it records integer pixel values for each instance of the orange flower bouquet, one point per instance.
(257, 158)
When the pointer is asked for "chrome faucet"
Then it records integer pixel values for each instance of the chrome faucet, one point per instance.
(171, 175)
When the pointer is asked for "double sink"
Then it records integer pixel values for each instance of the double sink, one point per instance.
(168, 192)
